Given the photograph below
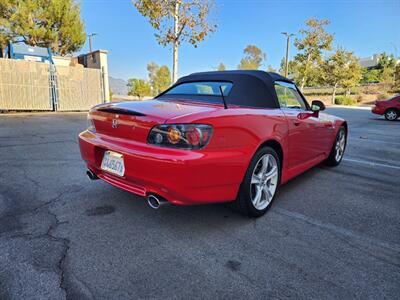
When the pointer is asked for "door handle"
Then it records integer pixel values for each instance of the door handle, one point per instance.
(296, 123)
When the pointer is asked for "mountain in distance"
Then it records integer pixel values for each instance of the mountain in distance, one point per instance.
(118, 86)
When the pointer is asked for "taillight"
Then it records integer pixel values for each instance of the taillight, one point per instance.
(184, 136)
(90, 124)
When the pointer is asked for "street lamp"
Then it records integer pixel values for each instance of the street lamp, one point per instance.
(90, 40)
(288, 35)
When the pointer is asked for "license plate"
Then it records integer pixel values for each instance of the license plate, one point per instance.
(114, 163)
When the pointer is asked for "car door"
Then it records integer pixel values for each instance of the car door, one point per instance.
(306, 132)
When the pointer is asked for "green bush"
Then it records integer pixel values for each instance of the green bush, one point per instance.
(343, 100)
(382, 96)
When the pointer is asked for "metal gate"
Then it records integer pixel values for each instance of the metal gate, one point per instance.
(78, 88)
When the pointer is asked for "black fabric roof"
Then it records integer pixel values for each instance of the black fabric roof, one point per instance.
(250, 88)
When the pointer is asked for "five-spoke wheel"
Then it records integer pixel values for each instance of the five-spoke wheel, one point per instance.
(264, 181)
(260, 183)
(337, 152)
(391, 114)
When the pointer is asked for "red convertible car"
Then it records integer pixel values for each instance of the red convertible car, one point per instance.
(230, 136)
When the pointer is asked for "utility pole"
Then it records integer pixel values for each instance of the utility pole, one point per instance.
(288, 35)
(90, 41)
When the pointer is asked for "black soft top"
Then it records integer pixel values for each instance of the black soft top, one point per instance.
(250, 87)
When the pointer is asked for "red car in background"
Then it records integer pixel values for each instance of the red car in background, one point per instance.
(389, 108)
(230, 136)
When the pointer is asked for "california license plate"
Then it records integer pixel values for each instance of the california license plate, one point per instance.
(113, 162)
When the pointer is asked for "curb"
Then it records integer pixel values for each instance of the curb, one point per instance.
(350, 107)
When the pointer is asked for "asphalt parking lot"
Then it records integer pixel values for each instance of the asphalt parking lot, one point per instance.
(331, 232)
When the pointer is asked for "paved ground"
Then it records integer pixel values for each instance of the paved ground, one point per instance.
(331, 233)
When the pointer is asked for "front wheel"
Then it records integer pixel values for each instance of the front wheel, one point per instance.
(260, 183)
(391, 114)
(337, 152)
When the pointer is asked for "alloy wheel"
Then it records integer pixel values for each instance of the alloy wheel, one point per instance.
(340, 145)
(391, 115)
(264, 181)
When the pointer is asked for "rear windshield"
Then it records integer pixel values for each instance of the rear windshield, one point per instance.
(201, 88)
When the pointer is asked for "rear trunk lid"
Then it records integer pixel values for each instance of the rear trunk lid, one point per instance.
(134, 120)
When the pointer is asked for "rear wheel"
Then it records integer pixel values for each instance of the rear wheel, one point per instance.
(260, 183)
(391, 114)
(337, 152)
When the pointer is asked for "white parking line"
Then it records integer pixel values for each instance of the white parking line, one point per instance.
(340, 230)
(370, 163)
(368, 140)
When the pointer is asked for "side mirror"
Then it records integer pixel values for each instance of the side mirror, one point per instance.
(317, 105)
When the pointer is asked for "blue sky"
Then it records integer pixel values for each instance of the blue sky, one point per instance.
(365, 27)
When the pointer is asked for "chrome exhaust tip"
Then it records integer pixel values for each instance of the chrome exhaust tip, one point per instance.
(91, 175)
(155, 201)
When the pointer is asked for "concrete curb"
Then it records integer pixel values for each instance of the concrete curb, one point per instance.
(351, 107)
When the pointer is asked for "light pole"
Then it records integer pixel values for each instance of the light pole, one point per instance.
(288, 35)
(90, 41)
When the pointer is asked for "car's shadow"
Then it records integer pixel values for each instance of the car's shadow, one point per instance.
(209, 216)
(384, 120)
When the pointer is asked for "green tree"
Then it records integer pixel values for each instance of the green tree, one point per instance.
(159, 77)
(178, 21)
(6, 10)
(343, 69)
(152, 69)
(370, 75)
(386, 67)
(221, 67)
(314, 40)
(253, 58)
(49, 23)
(296, 71)
(138, 88)
(64, 18)
(397, 78)
(271, 69)
(163, 79)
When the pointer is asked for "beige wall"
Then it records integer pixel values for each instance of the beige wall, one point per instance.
(24, 85)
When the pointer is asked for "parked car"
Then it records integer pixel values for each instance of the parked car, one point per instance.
(390, 108)
(230, 136)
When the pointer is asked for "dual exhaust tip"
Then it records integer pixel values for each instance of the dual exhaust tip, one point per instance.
(154, 201)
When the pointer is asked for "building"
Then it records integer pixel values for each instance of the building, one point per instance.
(98, 60)
(21, 51)
(370, 62)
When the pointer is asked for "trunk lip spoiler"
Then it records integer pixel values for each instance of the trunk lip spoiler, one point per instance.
(120, 111)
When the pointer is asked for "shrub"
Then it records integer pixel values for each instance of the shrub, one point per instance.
(343, 100)
(382, 96)
(359, 98)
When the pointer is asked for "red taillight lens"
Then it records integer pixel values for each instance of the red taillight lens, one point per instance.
(193, 136)
(185, 136)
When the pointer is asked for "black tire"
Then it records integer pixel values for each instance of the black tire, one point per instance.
(243, 202)
(333, 160)
(391, 114)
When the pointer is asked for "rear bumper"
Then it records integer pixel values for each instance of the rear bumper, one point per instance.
(378, 110)
(182, 177)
